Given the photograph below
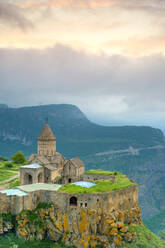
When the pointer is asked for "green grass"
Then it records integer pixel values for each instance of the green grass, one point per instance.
(8, 165)
(100, 172)
(4, 174)
(14, 183)
(145, 239)
(9, 240)
(101, 186)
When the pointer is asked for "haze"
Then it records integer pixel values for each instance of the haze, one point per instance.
(105, 56)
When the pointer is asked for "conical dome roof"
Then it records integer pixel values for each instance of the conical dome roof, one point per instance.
(46, 134)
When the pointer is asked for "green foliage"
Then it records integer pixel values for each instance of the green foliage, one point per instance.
(162, 235)
(12, 241)
(14, 246)
(145, 239)
(4, 174)
(18, 158)
(8, 218)
(100, 172)
(101, 186)
(33, 217)
(14, 183)
(8, 165)
(43, 205)
(3, 159)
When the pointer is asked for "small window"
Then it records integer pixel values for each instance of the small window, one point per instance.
(86, 204)
(73, 201)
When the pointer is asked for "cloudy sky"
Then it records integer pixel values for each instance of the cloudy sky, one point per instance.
(105, 56)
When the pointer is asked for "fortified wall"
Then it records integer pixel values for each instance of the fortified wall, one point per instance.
(28, 197)
(82, 220)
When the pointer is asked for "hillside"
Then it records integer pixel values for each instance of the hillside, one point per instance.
(138, 152)
(76, 135)
(145, 239)
(156, 223)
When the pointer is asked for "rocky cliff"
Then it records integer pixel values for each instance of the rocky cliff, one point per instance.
(80, 227)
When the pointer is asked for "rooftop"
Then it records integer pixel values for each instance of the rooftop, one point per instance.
(13, 192)
(32, 166)
(46, 133)
(84, 184)
(39, 186)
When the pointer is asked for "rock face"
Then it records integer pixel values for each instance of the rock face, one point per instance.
(81, 228)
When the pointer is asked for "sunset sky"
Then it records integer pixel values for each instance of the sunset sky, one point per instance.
(105, 56)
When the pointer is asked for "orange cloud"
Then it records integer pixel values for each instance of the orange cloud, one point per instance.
(138, 47)
(155, 5)
(67, 3)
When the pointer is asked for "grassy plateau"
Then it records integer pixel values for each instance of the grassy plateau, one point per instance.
(102, 186)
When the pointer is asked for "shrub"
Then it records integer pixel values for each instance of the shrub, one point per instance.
(3, 159)
(8, 165)
(18, 158)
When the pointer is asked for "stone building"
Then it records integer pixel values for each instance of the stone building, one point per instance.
(48, 165)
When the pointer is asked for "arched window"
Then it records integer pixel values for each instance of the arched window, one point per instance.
(28, 179)
(40, 178)
(73, 201)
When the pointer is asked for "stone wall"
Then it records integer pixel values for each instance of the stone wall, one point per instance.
(93, 219)
(123, 199)
(92, 177)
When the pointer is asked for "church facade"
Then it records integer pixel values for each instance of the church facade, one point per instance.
(48, 165)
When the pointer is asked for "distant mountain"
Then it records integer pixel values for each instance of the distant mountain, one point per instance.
(76, 135)
(136, 151)
(156, 223)
(3, 105)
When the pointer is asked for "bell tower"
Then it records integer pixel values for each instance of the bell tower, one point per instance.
(47, 142)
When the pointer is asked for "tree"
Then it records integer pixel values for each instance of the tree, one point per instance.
(18, 158)
(162, 235)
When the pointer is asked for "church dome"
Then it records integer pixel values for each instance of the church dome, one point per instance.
(46, 134)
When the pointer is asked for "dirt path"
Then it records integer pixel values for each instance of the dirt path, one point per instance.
(3, 184)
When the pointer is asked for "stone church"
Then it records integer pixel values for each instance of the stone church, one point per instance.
(48, 165)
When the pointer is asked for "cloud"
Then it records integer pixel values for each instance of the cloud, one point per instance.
(137, 45)
(149, 5)
(105, 87)
(67, 3)
(12, 15)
